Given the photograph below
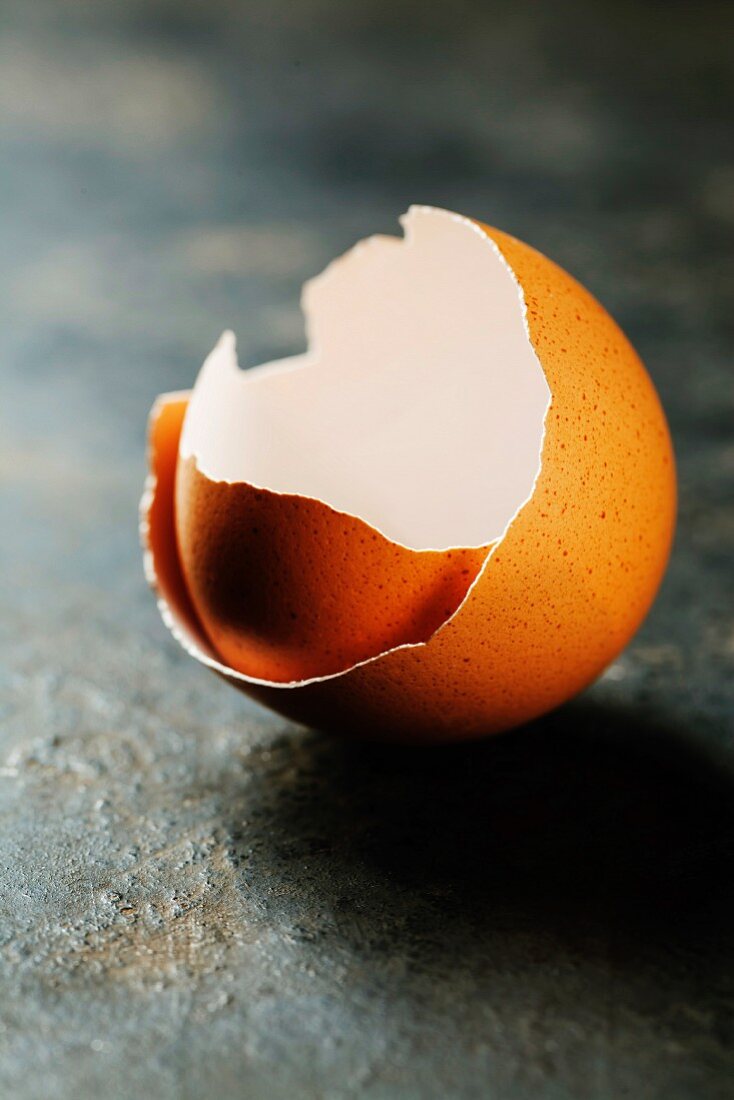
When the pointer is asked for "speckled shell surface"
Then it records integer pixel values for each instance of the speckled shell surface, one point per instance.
(288, 588)
(551, 605)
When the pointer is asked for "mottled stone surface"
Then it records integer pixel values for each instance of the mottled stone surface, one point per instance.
(196, 899)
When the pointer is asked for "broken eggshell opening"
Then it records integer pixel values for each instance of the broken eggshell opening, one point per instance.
(315, 526)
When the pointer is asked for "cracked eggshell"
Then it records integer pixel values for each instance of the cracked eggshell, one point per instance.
(442, 521)
(290, 589)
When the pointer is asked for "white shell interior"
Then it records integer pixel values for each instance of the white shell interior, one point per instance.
(419, 406)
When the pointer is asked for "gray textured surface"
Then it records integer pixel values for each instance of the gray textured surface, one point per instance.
(197, 899)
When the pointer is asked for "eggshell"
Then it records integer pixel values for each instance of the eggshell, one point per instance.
(289, 606)
(457, 643)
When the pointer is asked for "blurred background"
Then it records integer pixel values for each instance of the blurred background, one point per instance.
(169, 168)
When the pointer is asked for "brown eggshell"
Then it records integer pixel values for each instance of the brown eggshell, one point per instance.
(550, 605)
(289, 589)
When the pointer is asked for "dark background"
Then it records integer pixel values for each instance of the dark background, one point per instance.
(198, 899)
